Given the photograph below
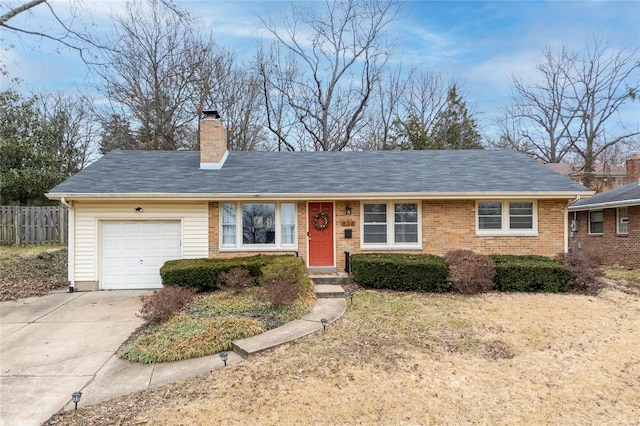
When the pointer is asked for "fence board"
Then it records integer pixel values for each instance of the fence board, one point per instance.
(28, 225)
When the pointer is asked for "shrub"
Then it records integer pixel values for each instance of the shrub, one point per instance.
(278, 294)
(531, 274)
(587, 279)
(403, 272)
(204, 274)
(288, 269)
(469, 272)
(160, 305)
(236, 280)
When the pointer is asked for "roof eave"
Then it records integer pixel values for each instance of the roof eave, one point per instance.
(610, 204)
(325, 196)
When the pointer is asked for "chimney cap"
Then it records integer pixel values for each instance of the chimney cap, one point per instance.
(211, 114)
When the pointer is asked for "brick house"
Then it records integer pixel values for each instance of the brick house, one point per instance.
(132, 210)
(606, 227)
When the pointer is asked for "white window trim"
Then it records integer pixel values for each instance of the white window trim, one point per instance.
(391, 244)
(618, 221)
(504, 230)
(240, 247)
(589, 222)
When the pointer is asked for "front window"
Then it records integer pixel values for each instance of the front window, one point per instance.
(375, 223)
(390, 224)
(623, 220)
(596, 222)
(258, 225)
(506, 218)
(406, 223)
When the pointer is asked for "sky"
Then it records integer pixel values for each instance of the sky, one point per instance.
(478, 43)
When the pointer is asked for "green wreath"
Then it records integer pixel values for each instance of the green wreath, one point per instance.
(320, 226)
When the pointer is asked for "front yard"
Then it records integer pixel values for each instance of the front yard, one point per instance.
(405, 358)
(409, 358)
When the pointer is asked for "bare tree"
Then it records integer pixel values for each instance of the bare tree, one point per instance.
(574, 106)
(323, 71)
(235, 93)
(60, 29)
(77, 142)
(153, 75)
(539, 109)
(603, 79)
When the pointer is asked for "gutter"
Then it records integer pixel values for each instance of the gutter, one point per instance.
(71, 252)
(325, 196)
(598, 206)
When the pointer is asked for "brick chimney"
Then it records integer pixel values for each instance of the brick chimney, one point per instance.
(633, 169)
(213, 141)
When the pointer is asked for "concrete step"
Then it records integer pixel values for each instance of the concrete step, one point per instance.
(342, 279)
(328, 291)
(331, 309)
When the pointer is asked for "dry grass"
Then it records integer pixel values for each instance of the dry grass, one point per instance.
(424, 359)
(31, 270)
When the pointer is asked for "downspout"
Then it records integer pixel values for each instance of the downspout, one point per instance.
(565, 211)
(71, 252)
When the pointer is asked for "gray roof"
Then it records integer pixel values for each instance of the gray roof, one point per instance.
(361, 172)
(622, 196)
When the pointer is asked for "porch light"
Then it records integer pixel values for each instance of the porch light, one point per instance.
(347, 209)
(75, 397)
(223, 357)
(324, 323)
(138, 209)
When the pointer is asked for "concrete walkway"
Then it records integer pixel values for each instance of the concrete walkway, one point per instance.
(54, 345)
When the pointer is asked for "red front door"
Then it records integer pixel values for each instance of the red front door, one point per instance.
(321, 234)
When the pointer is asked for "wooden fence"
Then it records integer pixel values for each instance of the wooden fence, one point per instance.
(25, 225)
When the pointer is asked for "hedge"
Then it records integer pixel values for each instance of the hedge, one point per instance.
(402, 272)
(531, 274)
(203, 274)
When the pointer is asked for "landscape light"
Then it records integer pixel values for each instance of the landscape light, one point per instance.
(223, 357)
(350, 294)
(75, 397)
(324, 323)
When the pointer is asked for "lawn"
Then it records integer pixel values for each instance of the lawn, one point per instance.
(408, 358)
(27, 271)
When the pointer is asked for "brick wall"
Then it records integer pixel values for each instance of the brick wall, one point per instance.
(609, 248)
(446, 225)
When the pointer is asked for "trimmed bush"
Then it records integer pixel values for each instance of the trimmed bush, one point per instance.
(587, 279)
(162, 304)
(403, 272)
(469, 272)
(204, 274)
(531, 274)
(290, 270)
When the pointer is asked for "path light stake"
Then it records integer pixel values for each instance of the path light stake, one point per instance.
(223, 357)
(75, 397)
(324, 323)
(351, 295)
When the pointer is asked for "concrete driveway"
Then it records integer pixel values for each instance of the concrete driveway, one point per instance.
(52, 346)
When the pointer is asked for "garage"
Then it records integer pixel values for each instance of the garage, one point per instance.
(132, 252)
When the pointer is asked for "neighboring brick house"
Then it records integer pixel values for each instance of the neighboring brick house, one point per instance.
(607, 227)
(132, 210)
(605, 176)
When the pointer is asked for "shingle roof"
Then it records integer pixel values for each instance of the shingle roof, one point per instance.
(628, 194)
(374, 172)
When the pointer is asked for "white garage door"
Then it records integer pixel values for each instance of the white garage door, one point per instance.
(134, 251)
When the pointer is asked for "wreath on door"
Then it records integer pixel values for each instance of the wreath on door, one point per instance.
(322, 216)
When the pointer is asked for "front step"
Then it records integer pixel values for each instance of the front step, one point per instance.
(342, 279)
(328, 291)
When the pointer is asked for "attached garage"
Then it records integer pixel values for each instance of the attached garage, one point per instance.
(132, 252)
